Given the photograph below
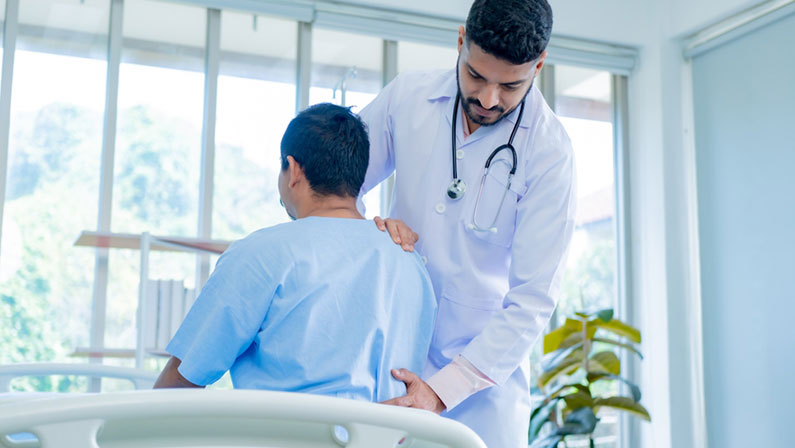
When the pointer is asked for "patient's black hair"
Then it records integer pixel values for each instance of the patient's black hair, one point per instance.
(330, 143)
(513, 30)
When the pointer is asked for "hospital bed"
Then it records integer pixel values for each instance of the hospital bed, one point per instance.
(227, 418)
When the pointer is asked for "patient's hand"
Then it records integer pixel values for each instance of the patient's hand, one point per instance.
(418, 393)
(170, 376)
(399, 231)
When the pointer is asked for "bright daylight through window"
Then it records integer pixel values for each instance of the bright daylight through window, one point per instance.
(56, 149)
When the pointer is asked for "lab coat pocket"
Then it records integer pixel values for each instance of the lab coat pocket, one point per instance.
(458, 320)
(493, 216)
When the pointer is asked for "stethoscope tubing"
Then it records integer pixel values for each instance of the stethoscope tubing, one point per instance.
(508, 145)
(459, 187)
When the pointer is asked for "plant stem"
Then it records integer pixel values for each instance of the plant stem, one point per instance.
(586, 345)
(590, 439)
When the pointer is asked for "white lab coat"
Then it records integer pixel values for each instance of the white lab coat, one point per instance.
(496, 290)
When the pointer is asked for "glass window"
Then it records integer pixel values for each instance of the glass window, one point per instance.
(347, 70)
(256, 101)
(52, 188)
(583, 102)
(422, 57)
(158, 148)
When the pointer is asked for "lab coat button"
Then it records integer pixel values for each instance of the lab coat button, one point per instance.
(424, 259)
(440, 208)
(459, 154)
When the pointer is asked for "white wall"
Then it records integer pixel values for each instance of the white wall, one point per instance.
(687, 16)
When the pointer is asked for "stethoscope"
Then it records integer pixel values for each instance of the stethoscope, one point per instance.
(457, 188)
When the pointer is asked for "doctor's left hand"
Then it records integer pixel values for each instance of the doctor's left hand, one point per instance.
(399, 231)
(418, 393)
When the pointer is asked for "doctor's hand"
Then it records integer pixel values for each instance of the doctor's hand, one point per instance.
(418, 393)
(399, 231)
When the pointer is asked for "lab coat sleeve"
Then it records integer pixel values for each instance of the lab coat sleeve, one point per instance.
(544, 227)
(378, 117)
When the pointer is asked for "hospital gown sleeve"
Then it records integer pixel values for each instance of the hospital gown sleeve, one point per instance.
(226, 316)
(544, 226)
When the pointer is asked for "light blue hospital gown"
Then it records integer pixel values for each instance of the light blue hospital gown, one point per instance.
(320, 305)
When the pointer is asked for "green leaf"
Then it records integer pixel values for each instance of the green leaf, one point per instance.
(554, 338)
(566, 387)
(633, 388)
(629, 347)
(550, 360)
(550, 441)
(626, 404)
(579, 421)
(620, 328)
(578, 400)
(606, 315)
(539, 418)
(568, 366)
(606, 362)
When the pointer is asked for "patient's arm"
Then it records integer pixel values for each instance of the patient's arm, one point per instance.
(170, 376)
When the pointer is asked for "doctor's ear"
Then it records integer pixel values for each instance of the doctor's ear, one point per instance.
(540, 62)
(462, 34)
(295, 172)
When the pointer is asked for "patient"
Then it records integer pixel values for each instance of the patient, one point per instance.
(326, 304)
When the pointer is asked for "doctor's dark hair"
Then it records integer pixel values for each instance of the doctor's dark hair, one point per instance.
(330, 143)
(516, 31)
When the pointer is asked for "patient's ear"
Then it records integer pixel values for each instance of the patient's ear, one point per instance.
(295, 171)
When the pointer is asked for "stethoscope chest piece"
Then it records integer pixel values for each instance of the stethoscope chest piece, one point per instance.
(456, 189)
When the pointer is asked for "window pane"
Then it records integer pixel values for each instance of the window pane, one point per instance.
(583, 103)
(256, 101)
(348, 66)
(413, 56)
(158, 147)
(345, 61)
(52, 189)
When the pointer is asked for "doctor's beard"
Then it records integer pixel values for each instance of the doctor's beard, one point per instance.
(468, 102)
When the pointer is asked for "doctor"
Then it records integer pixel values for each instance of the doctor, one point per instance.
(485, 175)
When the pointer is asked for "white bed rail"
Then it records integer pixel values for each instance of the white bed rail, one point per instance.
(141, 379)
(204, 418)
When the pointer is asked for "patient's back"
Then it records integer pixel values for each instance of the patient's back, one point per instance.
(319, 305)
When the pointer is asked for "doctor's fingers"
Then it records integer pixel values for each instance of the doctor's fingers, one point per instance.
(405, 402)
(402, 234)
(380, 223)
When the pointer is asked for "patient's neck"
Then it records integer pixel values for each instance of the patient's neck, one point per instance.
(330, 207)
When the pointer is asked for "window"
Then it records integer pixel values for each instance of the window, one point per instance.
(158, 148)
(52, 187)
(583, 102)
(256, 101)
(413, 56)
(346, 77)
(55, 148)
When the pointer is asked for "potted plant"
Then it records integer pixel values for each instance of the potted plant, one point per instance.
(577, 357)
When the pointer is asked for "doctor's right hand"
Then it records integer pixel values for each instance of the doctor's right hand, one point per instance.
(399, 231)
